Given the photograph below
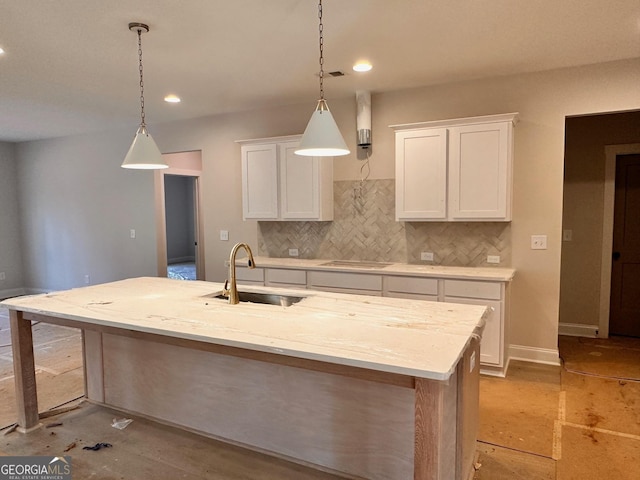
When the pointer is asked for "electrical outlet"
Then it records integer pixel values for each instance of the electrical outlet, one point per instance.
(224, 235)
(3, 276)
(426, 256)
(293, 252)
(493, 258)
(132, 233)
(87, 280)
(538, 242)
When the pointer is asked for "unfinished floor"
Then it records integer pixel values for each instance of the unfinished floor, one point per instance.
(581, 421)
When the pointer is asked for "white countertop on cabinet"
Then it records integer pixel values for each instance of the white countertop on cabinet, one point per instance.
(416, 338)
(468, 273)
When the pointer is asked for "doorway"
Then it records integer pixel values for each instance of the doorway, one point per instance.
(593, 145)
(624, 313)
(179, 207)
(178, 217)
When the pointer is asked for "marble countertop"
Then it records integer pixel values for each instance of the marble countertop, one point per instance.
(409, 337)
(468, 273)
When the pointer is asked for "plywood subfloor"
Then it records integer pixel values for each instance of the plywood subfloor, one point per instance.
(616, 357)
(519, 412)
(602, 403)
(59, 372)
(591, 454)
(148, 449)
(499, 463)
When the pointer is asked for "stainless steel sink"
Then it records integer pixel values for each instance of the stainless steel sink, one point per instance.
(355, 264)
(265, 298)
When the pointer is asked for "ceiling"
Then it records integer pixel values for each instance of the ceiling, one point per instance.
(70, 66)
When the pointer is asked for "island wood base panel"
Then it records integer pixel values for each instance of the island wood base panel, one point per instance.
(360, 427)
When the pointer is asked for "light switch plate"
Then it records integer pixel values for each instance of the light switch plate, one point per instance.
(224, 235)
(538, 242)
(567, 235)
(293, 252)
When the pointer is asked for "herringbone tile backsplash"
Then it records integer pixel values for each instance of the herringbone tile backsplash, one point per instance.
(364, 228)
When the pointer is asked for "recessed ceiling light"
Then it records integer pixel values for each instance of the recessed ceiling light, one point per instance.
(363, 66)
(172, 98)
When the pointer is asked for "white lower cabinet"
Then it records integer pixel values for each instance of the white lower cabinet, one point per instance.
(249, 276)
(491, 294)
(341, 282)
(281, 277)
(415, 288)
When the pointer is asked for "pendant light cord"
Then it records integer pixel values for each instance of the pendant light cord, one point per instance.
(320, 29)
(141, 79)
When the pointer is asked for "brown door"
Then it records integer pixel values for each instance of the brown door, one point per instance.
(625, 271)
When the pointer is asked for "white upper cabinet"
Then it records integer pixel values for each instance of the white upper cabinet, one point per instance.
(421, 174)
(277, 184)
(455, 170)
(260, 181)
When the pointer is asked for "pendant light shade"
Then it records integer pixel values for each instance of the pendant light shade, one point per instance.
(143, 153)
(322, 138)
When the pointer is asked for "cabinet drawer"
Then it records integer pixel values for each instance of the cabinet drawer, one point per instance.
(473, 289)
(421, 286)
(349, 291)
(284, 276)
(250, 274)
(356, 281)
(412, 296)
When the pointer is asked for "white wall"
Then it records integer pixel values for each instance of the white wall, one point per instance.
(10, 245)
(77, 180)
(77, 207)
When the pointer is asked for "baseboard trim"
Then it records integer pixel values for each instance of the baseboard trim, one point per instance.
(11, 292)
(578, 330)
(548, 356)
(495, 371)
(36, 291)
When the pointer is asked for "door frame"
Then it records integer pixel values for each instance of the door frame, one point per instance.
(188, 164)
(611, 153)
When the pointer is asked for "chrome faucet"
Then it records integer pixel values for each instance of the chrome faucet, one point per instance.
(232, 292)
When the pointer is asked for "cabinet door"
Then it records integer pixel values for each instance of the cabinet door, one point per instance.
(421, 174)
(492, 337)
(480, 172)
(299, 184)
(260, 182)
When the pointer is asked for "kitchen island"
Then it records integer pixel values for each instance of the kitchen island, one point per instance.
(366, 387)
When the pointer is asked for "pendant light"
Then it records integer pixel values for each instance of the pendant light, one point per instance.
(322, 138)
(143, 153)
